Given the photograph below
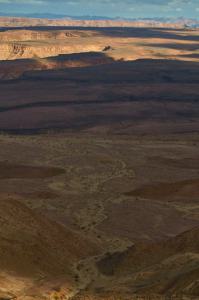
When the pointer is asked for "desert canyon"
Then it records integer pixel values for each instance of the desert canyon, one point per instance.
(99, 163)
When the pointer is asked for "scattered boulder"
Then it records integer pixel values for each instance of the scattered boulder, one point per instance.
(107, 48)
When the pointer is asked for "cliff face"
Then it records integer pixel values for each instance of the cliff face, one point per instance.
(11, 51)
(16, 44)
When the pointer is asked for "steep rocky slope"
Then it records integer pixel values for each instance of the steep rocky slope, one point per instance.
(36, 252)
(157, 269)
(14, 69)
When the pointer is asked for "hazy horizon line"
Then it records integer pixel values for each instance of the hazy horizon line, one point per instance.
(89, 17)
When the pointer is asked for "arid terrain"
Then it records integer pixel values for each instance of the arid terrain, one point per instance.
(88, 216)
(6, 21)
(99, 163)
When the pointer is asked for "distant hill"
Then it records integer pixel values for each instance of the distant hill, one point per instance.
(43, 19)
(97, 17)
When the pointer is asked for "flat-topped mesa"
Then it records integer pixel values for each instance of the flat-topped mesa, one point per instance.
(15, 50)
(21, 22)
(39, 35)
(21, 43)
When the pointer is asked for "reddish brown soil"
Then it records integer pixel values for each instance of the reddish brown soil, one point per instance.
(8, 170)
(144, 220)
(170, 190)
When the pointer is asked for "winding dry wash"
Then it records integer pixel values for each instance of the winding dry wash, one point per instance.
(99, 161)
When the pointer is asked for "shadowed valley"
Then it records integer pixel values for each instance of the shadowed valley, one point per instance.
(99, 165)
